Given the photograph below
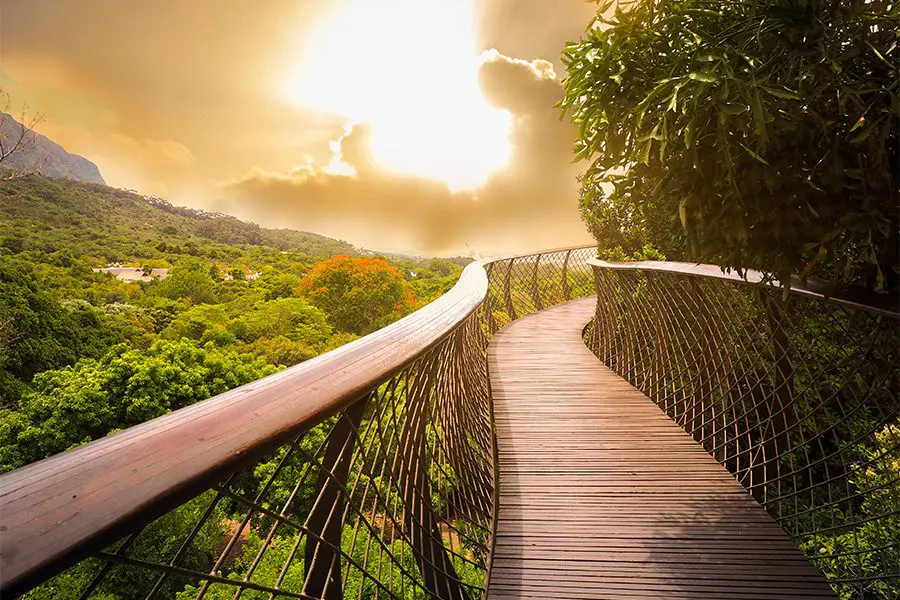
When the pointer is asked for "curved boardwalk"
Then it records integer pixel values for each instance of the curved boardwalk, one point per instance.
(603, 496)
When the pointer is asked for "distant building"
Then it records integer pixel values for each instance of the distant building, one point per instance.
(132, 274)
(247, 276)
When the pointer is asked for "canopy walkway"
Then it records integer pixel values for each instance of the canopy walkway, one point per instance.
(603, 496)
(704, 436)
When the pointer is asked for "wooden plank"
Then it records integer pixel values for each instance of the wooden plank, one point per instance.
(601, 495)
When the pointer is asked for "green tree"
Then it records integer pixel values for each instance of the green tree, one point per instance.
(749, 133)
(293, 318)
(359, 295)
(84, 402)
(279, 285)
(37, 327)
(189, 280)
(196, 321)
(37, 332)
(281, 350)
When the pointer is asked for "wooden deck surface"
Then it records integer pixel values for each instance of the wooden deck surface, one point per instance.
(603, 496)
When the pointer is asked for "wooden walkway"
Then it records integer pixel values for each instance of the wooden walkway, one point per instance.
(603, 496)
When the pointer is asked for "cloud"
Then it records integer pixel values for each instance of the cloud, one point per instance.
(536, 28)
(530, 204)
(202, 73)
(150, 165)
(172, 98)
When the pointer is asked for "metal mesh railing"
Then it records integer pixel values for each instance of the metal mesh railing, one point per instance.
(390, 499)
(522, 285)
(797, 395)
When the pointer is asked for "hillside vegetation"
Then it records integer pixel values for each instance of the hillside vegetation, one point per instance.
(83, 354)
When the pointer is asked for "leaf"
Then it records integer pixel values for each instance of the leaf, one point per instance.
(682, 214)
(664, 139)
(733, 108)
(759, 115)
(819, 257)
(862, 135)
(724, 91)
(653, 135)
(755, 155)
(880, 57)
(688, 134)
(859, 123)
(673, 102)
(785, 93)
(645, 152)
(704, 76)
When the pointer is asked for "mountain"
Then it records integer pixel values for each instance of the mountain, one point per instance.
(40, 154)
(44, 216)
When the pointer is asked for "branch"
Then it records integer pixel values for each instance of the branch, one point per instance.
(19, 141)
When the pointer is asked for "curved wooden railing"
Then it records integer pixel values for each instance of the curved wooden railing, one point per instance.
(798, 395)
(369, 470)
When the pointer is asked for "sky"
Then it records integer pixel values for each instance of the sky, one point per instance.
(421, 126)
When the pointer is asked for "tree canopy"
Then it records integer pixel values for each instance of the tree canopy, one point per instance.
(83, 353)
(359, 295)
(748, 133)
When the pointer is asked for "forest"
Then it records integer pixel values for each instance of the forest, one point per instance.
(84, 354)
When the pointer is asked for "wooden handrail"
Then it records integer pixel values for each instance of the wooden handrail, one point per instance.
(885, 304)
(55, 511)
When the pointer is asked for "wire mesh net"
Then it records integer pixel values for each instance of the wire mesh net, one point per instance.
(797, 396)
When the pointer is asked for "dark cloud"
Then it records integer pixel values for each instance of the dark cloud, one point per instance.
(529, 204)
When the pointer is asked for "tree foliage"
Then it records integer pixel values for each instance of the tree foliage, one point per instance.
(749, 133)
(41, 333)
(189, 280)
(359, 295)
(83, 354)
(293, 318)
(84, 402)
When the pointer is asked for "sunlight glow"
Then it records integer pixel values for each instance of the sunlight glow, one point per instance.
(409, 69)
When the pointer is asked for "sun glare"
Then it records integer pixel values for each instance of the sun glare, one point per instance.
(409, 69)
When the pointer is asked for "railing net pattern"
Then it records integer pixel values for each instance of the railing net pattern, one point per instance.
(798, 396)
(524, 285)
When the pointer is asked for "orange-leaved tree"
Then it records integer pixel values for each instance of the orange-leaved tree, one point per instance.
(359, 295)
